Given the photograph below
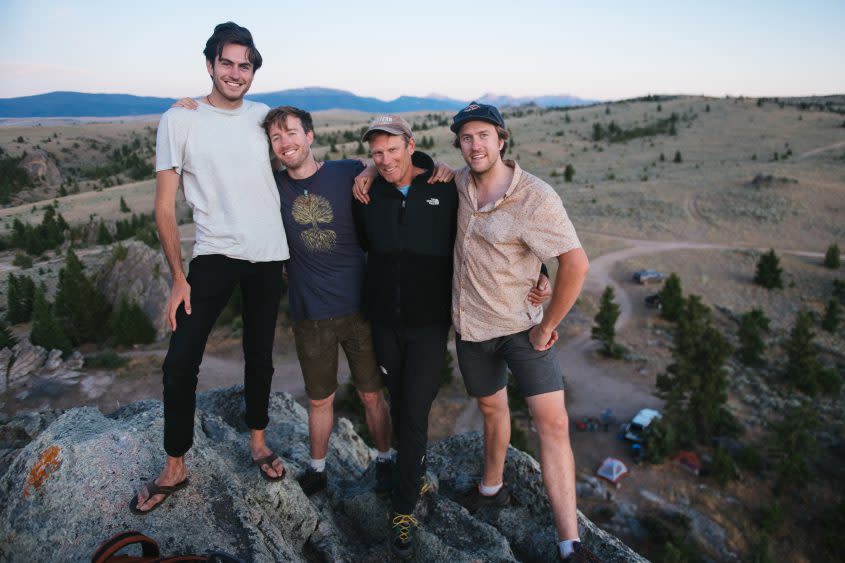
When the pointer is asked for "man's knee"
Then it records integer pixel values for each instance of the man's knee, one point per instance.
(371, 399)
(495, 405)
(321, 404)
(553, 425)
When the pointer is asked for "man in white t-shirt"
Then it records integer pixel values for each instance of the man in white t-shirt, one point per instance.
(221, 157)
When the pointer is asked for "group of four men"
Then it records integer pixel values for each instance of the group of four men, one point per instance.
(383, 277)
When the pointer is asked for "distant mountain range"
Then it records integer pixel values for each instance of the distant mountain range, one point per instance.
(78, 104)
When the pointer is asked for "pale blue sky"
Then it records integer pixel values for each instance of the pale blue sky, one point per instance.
(600, 49)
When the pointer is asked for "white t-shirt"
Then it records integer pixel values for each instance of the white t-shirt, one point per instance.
(224, 160)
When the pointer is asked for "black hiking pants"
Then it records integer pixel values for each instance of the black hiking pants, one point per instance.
(212, 279)
(411, 361)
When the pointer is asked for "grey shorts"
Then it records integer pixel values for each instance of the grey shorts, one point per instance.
(316, 347)
(484, 366)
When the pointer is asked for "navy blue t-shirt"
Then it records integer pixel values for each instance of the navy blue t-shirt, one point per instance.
(327, 266)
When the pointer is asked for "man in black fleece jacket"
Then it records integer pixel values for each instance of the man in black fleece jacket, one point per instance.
(408, 231)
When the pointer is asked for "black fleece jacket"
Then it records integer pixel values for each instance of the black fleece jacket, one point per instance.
(409, 244)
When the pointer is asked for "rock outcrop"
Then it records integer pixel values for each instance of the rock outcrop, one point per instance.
(66, 486)
(41, 169)
(25, 359)
(142, 277)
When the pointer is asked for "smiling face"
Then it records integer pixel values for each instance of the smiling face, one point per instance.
(291, 144)
(480, 145)
(232, 73)
(392, 157)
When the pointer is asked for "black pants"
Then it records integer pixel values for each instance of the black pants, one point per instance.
(412, 361)
(212, 279)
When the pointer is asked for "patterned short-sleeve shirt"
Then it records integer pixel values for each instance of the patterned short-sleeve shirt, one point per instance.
(498, 251)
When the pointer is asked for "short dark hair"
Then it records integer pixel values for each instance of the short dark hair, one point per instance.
(227, 33)
(278, 116)
(502, 133)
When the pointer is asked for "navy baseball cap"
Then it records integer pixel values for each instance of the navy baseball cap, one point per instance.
(477, 112)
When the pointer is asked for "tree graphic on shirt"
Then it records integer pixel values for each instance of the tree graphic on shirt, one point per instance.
(315, 210)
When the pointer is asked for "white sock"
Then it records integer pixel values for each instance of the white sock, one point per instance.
(566, 547)
(489, 491)
(318, 465)
(385, 456)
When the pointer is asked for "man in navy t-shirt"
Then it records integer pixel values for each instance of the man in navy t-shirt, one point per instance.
(326, 276)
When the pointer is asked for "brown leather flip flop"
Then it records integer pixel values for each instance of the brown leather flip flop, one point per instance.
(153, 490)
(268, 461)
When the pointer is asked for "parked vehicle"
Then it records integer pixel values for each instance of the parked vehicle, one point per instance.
(653, 301)
(648, 276)
(634, 429)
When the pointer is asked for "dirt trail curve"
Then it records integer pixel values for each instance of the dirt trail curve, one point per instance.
(820, 150)
(594, 389)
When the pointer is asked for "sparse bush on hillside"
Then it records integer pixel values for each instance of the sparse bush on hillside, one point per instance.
(831, 257)
(22, 261)
(568, 173)
(678, 158)
(107, 359)
(769, 271)
(35, 240)
(123, 207)
(103, 234)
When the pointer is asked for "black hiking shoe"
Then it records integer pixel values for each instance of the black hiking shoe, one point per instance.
(402, 535)
(580, 555)
(384, 477)
(312, 481)
(472, 500)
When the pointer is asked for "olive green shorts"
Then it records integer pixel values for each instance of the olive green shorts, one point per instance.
(316, 347)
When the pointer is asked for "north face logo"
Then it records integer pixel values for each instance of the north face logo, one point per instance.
(433, 201)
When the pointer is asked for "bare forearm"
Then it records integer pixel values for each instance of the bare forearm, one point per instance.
(168, 234)
(571, 273)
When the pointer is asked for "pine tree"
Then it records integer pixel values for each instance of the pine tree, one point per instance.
(19, 297)
(769, 271)
(830, 321)
(803, 369)
(123, 207)
(751, 344)
(694, 386)
(46, 330)
(671, 298)
(796, 447)
(130, 325)
(831, 257)
(103, 234)
(568, 173)
(7, 339)
(80, 307)
(605, 328)
(678, 158)
(360, 149)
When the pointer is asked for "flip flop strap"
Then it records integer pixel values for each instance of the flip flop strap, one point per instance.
(266, 460)
(149, 548)
(154, 489)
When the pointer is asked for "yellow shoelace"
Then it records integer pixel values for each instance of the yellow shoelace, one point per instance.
(404, 523)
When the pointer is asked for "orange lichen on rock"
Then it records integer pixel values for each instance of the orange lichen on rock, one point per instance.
(48, 462)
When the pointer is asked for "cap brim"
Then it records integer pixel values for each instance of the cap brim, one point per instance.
(383, 129)
(455, 127)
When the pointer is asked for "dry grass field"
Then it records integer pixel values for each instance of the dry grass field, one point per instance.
(704, 217)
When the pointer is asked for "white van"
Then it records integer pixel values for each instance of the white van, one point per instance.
(634, 429)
